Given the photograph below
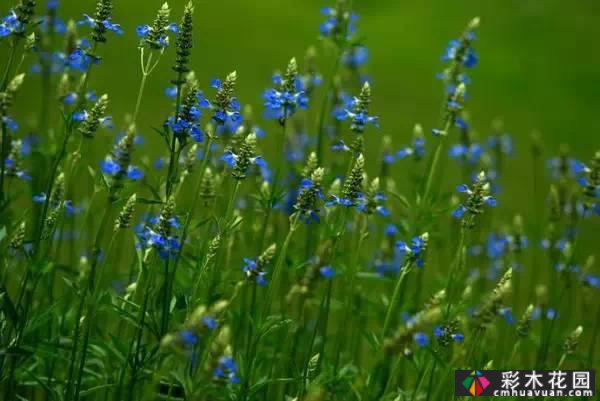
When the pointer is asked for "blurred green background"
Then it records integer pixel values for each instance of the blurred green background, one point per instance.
(539, 61)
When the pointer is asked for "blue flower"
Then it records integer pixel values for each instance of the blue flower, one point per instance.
(335, 200)
(375, 204)
(10, 24)
(340, 24)
(226, 370)
(502, 142)
(454, 52)
(111, 167)
(58, 25)
(80, 60)
(159, 40)
(156, 36)
(469, 153)
(226, 113)
(391, 230)
(356, 110)
(421, 338)
(285, 100)
(39, 198)
(189, 337)
(306, 201)
(105, 25)
(134, 173)
(10, 123)
(171, 92)
(70, 208)
(355, 56)
(252, 270)
(187, 122)
(415, 253)
(340, 146)
(168, 246)
(231, 159)
(591, 280)
(327, 272)
(506, 313)
(209, 322)
(477, 196)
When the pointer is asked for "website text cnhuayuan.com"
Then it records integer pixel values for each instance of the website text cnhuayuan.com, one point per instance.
(543, 393)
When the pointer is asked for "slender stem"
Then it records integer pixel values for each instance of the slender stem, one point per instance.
(3, 157)
(232, 198)
(173, 145)
(348, 312)
(313, 337)
(164, 323)
(147, 68)
(276, 275)
(190, 215)
(9, 64)
(139, 98)
(329, 96)
(53, 171)
(391, 310)
(91, 290)
(434, 163)
(454, 267)
(249, 355)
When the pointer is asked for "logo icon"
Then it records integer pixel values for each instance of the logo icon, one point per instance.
(476, 383)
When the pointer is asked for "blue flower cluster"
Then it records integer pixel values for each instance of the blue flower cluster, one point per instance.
(308, 195)
(327, 272)
(340, 23)
(356, 109)
(471, 153)
(10, 123)
(456, 51)
(286, 99)
(226, 370)
(377, 202)
(191, 337)
(69, 206)
(71, 98)
(252, 271)
(54, 24)
(477, 196)
(111, 166)
(355, 57)
(83, 115)
(415, 253)
(188, 123)
(148, 236)
(588, 177)
(226, 115)
(231, 159)
(10, 24)
(106, 25)
(417, 150)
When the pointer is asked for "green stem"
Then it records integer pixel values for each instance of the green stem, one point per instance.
(348, 310)
(434, 163)
(329, 96)
(4, 155)
(9, 64)
(172, 148)
(249, 346)
(391, 310)
(164, 324)
(91, 291)
(275, 279)
(147, 69)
